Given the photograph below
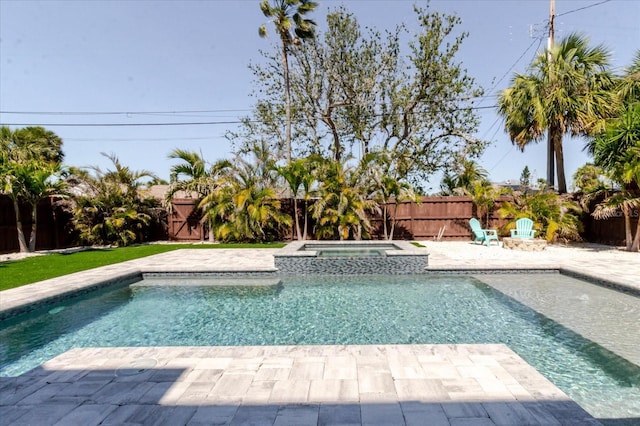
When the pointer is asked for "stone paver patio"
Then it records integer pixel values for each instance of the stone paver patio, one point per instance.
(297, 385)
(288, 385)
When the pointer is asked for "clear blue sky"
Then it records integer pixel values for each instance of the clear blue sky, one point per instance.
(152, 58)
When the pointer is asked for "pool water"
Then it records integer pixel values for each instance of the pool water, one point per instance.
(328, 310)
(351, 253)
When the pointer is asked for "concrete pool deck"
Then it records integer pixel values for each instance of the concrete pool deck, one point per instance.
(397, 384)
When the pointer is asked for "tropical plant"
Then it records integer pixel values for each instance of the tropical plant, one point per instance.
(109, 207)
(387, 189)
(617, 150)
(195, 177)
(342, 209)
(462, 179)
(567, 91)
(483, 195)
(299, 175)
(244, 206)
(30, 166)
(589, 178)
(292, 28)
(556, 217)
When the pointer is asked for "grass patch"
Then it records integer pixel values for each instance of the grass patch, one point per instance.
(417, 244)
(37, 268)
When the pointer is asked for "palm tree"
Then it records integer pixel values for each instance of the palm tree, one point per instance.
(299, 175)
(387, 189)
(469, 171)
(343, 206)
(244, 205)
(567, 91)
(287, 16)
(617, 151)
(30, 160)
(483, 195)
(194, 176)
(110, 207)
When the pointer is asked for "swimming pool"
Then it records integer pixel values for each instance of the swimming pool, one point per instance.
(330, 310)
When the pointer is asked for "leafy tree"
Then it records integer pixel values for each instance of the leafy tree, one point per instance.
(589, 178)
(109, 206)
(567, 91)
(30, 166)
(288, 16)
(525, 177)
(358, 92)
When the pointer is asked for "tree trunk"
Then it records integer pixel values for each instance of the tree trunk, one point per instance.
(635, 246)
(22, 242)
(295, 216)
(211, 237)
(34, 227)
(550, 159)
(557, 143)
(287, 100)
(306, 214)
(384, 222)
(393, 221)
(627, 229)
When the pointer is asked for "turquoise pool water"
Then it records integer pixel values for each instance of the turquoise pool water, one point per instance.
(328, 310)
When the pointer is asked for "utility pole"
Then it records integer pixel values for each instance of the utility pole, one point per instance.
(550, 145)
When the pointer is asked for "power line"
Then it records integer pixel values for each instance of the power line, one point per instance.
(212, 111)
(192, 123)
(583, 8)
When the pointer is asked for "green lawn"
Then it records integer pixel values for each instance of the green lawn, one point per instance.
(38, 268)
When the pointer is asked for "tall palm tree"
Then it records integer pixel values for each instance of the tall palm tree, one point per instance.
(567, 91)
(293, 28)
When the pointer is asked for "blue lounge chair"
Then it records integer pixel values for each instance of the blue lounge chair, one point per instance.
(524, 229)
(482, 235)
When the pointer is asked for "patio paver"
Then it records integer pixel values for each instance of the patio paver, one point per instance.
(96, 386)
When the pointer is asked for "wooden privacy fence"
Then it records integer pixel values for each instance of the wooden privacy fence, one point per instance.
(446, 218)
(54, 225)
